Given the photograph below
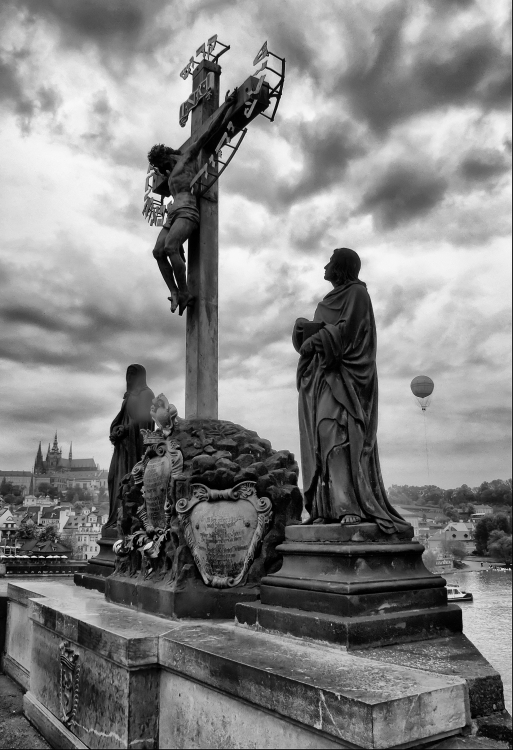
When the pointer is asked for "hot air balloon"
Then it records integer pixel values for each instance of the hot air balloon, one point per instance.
(422, 388)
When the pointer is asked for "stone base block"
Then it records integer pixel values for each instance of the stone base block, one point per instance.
(455, 655)
(352, 585)
(99, 567)
(353, 632)
(91, 580)
(94, 669)
(194, 600)
(287, 693)
(146, 682)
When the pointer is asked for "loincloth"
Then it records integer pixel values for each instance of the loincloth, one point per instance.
(189, 212)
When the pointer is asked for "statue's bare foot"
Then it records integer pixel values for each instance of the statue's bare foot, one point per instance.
(350, 519)
(185, 300)
(174, 299)
(307, 522)
(320, 520)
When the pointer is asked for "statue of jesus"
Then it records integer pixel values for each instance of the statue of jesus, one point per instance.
(182, 215)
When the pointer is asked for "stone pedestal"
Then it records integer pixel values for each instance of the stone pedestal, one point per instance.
(352, 585)
(103, 676)
(101, 566)
(192, 599)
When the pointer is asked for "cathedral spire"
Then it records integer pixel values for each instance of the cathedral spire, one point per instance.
(70, 453)
(55, 443)
(38, 463)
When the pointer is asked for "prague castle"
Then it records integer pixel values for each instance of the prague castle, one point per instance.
(54, 463)
(60, 472)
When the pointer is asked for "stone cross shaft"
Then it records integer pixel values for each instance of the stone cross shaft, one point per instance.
(201, 347)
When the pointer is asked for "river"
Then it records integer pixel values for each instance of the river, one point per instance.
(487, 620)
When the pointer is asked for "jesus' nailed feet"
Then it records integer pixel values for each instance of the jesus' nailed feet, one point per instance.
(181, 301)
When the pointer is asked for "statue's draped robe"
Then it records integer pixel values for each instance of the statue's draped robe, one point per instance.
(134, 415)
(338, 412)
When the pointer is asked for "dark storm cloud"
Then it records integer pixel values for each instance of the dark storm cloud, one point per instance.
(26, 105)
(401, 193)
(402, 303)
(482, 164)
(324, 147)
(389, 83)
(77, 317)
(53, 407)
(49, 99)
(115, 26)
(102, 120)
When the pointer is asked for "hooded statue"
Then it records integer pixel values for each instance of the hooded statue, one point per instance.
(338, 404)
(125, 433)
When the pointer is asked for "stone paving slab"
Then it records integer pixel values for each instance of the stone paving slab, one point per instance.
(16, 732)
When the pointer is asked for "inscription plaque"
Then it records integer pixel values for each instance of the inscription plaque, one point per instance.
(224, 529)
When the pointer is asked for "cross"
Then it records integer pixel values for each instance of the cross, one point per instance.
(253, 97)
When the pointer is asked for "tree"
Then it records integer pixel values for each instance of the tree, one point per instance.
(46, 488)
(6, 488)
(47, 534)
(485, 526)
(499, 545)
(451, 512)
(27, 530)
(456, 549)
(13, 499)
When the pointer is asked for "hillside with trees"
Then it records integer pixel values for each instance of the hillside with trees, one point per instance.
(497, 494)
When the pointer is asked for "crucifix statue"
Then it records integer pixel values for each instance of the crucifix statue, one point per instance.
(189, 175)
(180, 167)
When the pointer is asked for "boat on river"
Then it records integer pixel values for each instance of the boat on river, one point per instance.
(455, 594)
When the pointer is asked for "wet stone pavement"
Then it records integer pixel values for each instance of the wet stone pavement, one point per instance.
(15, 731)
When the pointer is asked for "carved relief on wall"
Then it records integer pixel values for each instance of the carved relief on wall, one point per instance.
(69, 678)
(223, 530)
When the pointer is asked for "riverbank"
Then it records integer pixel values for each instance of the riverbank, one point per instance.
(473, 563)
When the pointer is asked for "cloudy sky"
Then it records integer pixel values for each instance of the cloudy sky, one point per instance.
(392, 138)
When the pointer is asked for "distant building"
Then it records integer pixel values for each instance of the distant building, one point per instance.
(45, 501)
(56, 517)
(88, 480)
(453, 532)
(32, 513)
(81, 531)
(61, 473)
(8, 527)
(54, 463)
(482, 510)
(20, 480)
(33, 547)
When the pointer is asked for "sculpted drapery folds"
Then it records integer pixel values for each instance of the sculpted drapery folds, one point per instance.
(125, 433)
(338, 404)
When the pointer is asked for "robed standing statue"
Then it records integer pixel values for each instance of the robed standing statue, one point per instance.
(338, 404)
(125, 433)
